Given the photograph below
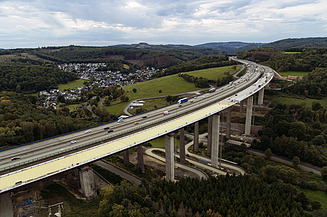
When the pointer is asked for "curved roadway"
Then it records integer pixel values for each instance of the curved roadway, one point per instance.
(55, 155)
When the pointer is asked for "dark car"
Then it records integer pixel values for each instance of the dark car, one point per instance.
(106, 128)
(109, 131)
(145, 116)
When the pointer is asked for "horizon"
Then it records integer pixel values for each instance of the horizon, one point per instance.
(142, 42)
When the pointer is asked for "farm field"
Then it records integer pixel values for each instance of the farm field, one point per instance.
(71, 85)
(213, 73)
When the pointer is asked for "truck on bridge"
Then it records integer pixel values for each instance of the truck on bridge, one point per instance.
(182, 100)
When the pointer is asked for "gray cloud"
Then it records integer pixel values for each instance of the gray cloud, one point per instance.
(36, 23)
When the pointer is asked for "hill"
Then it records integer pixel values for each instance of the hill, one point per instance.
(228, 46)
(297, 42)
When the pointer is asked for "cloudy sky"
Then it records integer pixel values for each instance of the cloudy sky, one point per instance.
(36, 23)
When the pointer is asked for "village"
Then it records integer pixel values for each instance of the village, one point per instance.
(94, 78)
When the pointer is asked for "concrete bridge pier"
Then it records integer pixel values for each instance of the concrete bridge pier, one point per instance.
(86, 177)
(260, 96)
(248, 118)
(169, 154)
(215, 140)
(209, 141)
(196, 137)
(241, 107)
(6, 208)
(140, 161)
(182, 145)
(126, 157)
(228, 122)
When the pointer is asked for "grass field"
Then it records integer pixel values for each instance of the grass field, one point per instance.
(152, 104)
(298, 101)
(71, 85)
(73, 107)
(213, 73)
(168, 85)
(319, 196)
(117, 108)
(293, 73)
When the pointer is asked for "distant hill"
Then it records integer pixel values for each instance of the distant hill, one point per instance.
(144, 45)
(228, 46)
(297, 42)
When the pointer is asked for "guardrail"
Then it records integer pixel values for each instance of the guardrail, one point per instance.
(170, 116)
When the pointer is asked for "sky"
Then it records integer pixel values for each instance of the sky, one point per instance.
(41, 23)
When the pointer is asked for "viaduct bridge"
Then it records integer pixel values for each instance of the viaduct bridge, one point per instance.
(45, 158)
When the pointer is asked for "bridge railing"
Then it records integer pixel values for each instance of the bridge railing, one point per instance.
(114, 135)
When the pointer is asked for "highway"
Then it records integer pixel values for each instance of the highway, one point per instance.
(55, 155)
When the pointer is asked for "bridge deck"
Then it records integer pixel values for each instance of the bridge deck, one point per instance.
(55, 166)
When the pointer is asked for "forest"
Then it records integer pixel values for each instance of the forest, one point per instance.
(214, 197)
(23, 121)
(26, 77)
(152, 56)
(298, 43)
(296, 59)
(296, 130)
(203, 62)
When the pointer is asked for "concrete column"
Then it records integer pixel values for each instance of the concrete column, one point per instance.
(228, 123)
(126, 158)
(215, 140)
(169, 148)
(248, 119)
(6, 208)
(209, 142)
(241, 107)
(260, 96)
(182, 146)
(86, 177)
(140, 161)
(196, 137)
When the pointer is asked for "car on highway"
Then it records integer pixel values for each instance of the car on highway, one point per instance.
(166, 113)
(88, 131)
(136, 123)
(110, 130)
(191, 101)
(145, 116)
(73, 141)
(15, 158)
(106, 128)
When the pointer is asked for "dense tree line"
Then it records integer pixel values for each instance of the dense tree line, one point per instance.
(302, 59)
(153, 56)
(313, 85)
(292, 43)
(295, 130)
(22, 121)
(32, 78)
(198, 81)
(203, 62)
(221, 196)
